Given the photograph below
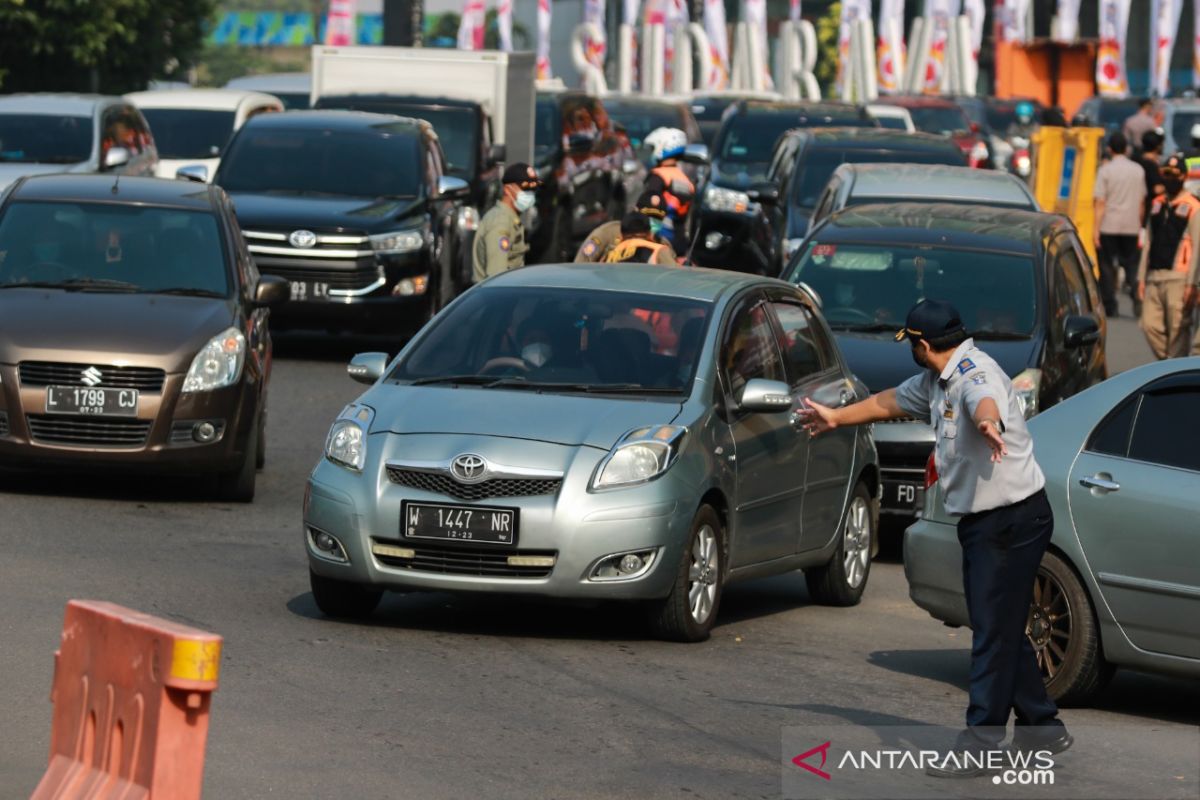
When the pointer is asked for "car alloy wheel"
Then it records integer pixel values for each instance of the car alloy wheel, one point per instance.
(703, 574)
(856, 548)
(842, 580)
(1065, 635)
(1049, 624)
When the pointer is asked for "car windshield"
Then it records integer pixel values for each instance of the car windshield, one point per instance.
(45, 138)
(381, 162)
(293, 101)
(872, 287)
(457, 128)
(189, 133)
(819, 164)
(750, 137)
(638, 119)
(894, 123)
(937, 119)
(547, 128)
(567, 340)
(1181, 126)
(110, 247)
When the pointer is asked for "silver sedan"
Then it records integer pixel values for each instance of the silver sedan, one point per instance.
(621, 432)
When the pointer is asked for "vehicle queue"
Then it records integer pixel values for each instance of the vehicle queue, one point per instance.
(601, 431)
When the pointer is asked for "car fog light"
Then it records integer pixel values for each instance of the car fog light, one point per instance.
(623, 566)
(715, 241)
(410, 287)
(631, 563)
(204, 432)
(327, 545)
(326, 542)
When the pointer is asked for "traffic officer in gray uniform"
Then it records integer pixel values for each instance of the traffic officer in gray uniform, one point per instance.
(991, 482)
(500, 240)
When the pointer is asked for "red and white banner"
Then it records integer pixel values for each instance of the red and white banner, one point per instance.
(339, 27)
(794, 10)
(504, 24)
(852, 12)
(939, 14)
(1111, 78)
(675, 16)
(718, 42)
(1068, 21)
(891, 45)
(543, 40)
(594, 49)
(629, 15)
(470, 28)
(974, 11)
(1014, 15)
(1165, 25)
(755, 14)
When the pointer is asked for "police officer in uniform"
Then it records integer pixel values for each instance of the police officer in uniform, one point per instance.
(1167, 271)
(991, 482)
(601, 241)
(500, 240)
(637, 244)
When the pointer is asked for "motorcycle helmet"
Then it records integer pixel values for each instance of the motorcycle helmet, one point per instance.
(1024, 111)
(665, 143)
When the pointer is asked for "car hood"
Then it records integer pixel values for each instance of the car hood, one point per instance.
(356, 213)
(557, 418)
(144, 330)
(11, 171)
(881, 363)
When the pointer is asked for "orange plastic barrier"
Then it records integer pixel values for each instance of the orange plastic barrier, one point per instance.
(131, 697)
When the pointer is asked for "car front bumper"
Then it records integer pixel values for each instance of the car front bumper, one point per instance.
(933, 567)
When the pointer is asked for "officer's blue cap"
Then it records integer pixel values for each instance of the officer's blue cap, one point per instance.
(930, 319)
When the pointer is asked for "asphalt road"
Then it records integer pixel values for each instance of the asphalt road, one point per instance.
(443, 696)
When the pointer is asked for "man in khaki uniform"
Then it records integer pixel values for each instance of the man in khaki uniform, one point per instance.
(1167, 271)
(604, 238)
(500, 240)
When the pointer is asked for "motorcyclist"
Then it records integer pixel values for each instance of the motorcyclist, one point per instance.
(1024, 123)
(668, 180)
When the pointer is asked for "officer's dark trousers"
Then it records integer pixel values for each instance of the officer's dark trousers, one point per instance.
(1001, 552)
(1116, 251)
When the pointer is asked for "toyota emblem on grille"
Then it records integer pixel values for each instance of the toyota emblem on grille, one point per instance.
(469, 468)
(91, 376)
(302, 239)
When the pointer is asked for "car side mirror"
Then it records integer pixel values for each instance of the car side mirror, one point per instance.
(497, 153)
(580, 142)
(116, 157)
(367, 367)
(192, 172)
(1080, 330)
(762, 396)
(452, 188)
(696, 153)
(271, 291)
(764, 193)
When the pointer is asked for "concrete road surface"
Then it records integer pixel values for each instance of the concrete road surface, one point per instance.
(443, 696)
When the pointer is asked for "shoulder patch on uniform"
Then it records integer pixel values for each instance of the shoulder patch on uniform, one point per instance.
(590, 247)
(965, 366)
(505, 244)
(979, 379)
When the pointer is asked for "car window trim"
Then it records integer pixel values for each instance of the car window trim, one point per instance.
(741, 302)
(814, 321)
(1189, 378)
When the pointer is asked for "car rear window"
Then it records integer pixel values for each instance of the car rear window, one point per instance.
(45, 138)
(189, 132)
(457, 128)
(750, 136)
(937, 119)
(819, 163)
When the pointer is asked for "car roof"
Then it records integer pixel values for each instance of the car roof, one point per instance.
(899, 181)
(689, 282)
(425, 101)
(332, 118)
(807, 108)
(273, 82)
(668, 101)
(128, 190)
(905, 101)
(206, 99)
(888, 138)
(941, 225)
(75, 105)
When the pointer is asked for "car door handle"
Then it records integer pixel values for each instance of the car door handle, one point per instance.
(1104, 484)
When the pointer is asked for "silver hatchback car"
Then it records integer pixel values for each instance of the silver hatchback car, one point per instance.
(620, 432)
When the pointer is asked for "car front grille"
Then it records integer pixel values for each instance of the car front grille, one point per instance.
(481, 562)
(329, 244)
(48, 373)
(496, 487)
(54, 429)
(355, 278)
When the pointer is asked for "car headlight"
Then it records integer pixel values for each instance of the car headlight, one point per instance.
(1028, 386)
(639, 456)
(979, 154)
(346, 444)
(717, 198)
(218, 364)
(398, 241)
(467, 219)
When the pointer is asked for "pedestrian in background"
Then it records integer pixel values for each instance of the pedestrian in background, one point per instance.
(500, 240)
(991, 482)
(1119, 199)
(1138, 124)
(1167, 269)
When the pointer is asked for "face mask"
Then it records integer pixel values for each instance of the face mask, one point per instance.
(1173, 186)
(46, 251)
(536, 353)
(655, 226)
(524, 200)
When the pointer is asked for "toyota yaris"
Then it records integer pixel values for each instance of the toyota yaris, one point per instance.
(618, 432)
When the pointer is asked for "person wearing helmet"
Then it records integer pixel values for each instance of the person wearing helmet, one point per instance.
(1167, 272)
(601, 241)
(1024, 123)
(668, 180)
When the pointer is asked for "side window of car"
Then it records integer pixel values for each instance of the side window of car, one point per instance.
(749, 349)
(803, 345)
(1158, 437)
(1111, 436)
(1088, 275)
(1072, 271)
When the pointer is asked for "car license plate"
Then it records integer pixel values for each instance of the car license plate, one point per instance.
(900, 494)
(91, 401)
(459, 523)
(309, 290)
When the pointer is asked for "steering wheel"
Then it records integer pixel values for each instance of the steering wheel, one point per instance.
(857, 314)
(503, 363)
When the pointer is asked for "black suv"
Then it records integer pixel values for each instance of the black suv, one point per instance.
(356, 211)
(1021, 280)
(741, 156)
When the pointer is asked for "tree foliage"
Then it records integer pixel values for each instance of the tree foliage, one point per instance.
(97, 45)
(827, 48)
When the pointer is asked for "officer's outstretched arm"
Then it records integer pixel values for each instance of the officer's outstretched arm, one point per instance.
(876, 408)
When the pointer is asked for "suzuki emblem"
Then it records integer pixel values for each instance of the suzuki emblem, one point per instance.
(469, 468)
(91, 376)
(302, 239)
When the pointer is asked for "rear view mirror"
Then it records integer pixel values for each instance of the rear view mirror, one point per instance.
(271, 291)
(367, 367)
(497, 153)
(452, 187)
(1080, 330)
(762, 396)
(696, 154)
(193, 172)
(116, 157)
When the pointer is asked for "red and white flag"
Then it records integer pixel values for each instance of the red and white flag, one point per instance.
(1165, 24)
(339, 27)
(1013, 17)
(940, 14)
(794, 10)
(595, 49)
(1068, 21)
(718, 42)
(852, 12)
(470, 28)
(504, 25)
(974, 11)
(1111, 78)
(543, 40)
(755, 14)
(891, 45)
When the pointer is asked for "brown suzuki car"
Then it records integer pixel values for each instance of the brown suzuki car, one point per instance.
(133, 330)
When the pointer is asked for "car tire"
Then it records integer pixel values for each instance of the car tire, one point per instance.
(260, 452)
(342, 599)
(1075, 673)
(688, 612)
(841, 582)
(237, 485)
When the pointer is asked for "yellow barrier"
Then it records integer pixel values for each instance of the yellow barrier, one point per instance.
(1065, 161)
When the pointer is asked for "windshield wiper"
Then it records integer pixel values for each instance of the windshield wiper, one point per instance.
(467, 380)
(184, 291)
(630, 388)
(78, 285)
(864, 327)
(999, 336)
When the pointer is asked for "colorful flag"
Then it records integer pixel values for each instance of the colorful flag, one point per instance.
(543, 40)
(1166, 24)
(470, 27)
(504, 24)
(794, 10)
(1068, 21)
(852, 11)
(755, 14)
(1013, 16)
(594, 49)
(1111, 79)
(939, 14)
(718, 42)
(339, 30)
(676, 16)
(975, 13)
(891, 45)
